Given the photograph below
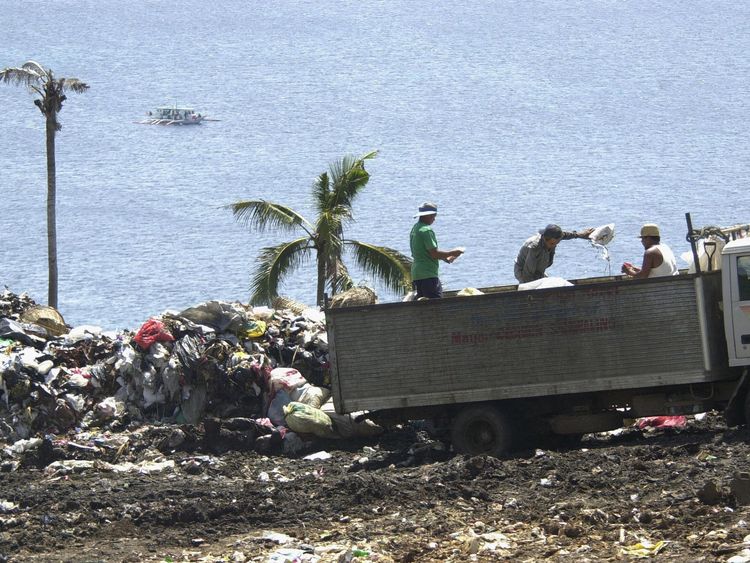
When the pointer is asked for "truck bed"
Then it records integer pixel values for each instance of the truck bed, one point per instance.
(607, 333)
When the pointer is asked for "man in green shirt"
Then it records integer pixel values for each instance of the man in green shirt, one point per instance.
(425, 252)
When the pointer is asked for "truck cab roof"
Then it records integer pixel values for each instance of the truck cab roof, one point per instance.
(738, 246)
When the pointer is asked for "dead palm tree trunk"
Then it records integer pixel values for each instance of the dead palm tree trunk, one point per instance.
(51, 129)
(51, 92)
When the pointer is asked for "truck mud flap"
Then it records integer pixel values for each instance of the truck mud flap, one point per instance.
(735, 412)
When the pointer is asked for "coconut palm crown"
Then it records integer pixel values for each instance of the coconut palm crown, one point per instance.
(51, 91)
(333, 196)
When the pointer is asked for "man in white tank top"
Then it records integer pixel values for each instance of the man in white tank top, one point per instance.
(658, 260)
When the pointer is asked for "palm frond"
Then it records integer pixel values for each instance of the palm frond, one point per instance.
(340, 280)
(21, 75)
(343, 181)
(347, 186)
(74, 85)
(274, 263)
(386, 264)
(321, 191)
(262, 215)
(349, 177)
(295, 307)
(36, 68)
(350, 162)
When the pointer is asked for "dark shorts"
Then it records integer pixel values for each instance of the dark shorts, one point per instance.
(430, 288)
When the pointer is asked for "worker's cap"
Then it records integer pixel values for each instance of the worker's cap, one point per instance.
(649, 230)
(551, 231)
(426, 209)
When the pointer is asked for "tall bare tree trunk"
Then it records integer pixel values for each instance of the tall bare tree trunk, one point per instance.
(51, 213)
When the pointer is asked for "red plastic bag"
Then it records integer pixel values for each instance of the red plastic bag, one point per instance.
(662, 422)
(152, 331)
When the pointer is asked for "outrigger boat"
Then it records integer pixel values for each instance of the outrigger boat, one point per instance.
(173, 115)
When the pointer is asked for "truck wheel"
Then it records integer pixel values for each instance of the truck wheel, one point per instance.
(746, 410)
(481, 430)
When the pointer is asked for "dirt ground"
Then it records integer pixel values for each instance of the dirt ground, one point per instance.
(399, 497)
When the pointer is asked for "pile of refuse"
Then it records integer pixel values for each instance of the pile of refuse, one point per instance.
(255, 376)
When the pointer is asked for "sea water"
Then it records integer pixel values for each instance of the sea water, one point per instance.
(509, 115)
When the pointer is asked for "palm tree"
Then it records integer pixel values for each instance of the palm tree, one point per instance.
(333, 194)
(50, 90)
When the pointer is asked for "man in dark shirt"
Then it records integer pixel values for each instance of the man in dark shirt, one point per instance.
(538, 252)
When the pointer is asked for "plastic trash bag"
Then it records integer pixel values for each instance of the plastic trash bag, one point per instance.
(709, 261)
(599, 239)
(346, 426)
(469, 291)
(10, 329)
(677, 421)
(292, 444)
(544, 283)
(87, 333)
(644, 549)
(193, 404)
(603, 235)
(217, 315)
(253, 329)
(288, 379)
(305, 419)
(152, 331)
(276, 407)
(108, 409)
(189, 351)
(311, 395)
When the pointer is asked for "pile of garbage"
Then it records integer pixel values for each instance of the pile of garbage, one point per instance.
(254, 377)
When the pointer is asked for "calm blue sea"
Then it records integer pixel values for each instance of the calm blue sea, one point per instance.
(508, 114)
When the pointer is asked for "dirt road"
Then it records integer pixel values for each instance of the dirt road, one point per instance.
(401, 497)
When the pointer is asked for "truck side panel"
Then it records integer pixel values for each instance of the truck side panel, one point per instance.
(614, 335)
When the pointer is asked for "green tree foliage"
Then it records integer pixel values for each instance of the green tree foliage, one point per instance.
(324, 241)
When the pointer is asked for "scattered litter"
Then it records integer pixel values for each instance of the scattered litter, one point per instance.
(318, 456)
(662, 422)
(290, 555)
(275, 537)
(644, 549)
(469, 291)
(6, 506)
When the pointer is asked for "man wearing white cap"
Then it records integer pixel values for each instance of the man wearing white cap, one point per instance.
(658, 260)
(425, 252)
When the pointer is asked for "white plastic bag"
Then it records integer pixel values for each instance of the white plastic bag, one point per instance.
(544, 283)
(276, 407)
(603, 235)
(703, 256)
(600, 238)
(287, 379)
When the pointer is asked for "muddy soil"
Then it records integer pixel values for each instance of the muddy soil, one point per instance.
(400, 497)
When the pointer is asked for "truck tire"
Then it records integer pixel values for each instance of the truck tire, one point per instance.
(481, 429)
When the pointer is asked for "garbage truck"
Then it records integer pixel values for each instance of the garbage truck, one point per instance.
(496, 370)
